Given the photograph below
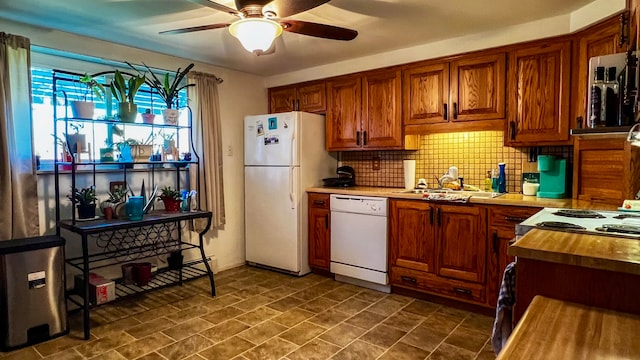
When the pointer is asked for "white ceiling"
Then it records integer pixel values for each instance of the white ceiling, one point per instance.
(383, 25)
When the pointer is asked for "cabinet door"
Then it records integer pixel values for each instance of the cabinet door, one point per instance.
(282, 99)
(539, 94)
(478, 88)
(344, 97)
(312, 98)
(382, 114)
(425, 94)
(411, 229)
(602, 39)
(319, 238)
(461, 245)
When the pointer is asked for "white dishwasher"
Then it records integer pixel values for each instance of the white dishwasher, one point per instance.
(359, 240)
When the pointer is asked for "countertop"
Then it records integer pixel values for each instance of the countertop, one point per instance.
(585, 250)
(509, 199)
(554, 329)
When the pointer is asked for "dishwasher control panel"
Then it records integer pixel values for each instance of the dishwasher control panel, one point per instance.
(359, 204)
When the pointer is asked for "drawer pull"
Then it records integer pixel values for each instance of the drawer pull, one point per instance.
(462, 291)
(408, 279)
(514, 219)
(326, 221)
(319, 202)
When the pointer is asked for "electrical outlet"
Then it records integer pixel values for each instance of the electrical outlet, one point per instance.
(229, 150)
(375, 163)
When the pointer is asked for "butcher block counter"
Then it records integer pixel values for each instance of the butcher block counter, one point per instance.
(554, 329)
(594, 270)
(509, 199)
(585, 250)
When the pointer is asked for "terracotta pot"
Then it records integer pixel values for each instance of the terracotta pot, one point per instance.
(171, 204)
(148, 118)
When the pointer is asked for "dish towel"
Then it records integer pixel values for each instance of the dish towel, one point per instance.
(504, 309)
(448, 197)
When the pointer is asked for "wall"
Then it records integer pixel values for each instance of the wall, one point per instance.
(472, 152)
(240, 94)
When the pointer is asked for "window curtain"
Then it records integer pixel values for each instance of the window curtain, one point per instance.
(208, 143)
(18, 181)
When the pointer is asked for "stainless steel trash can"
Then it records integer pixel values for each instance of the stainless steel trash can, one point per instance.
(32, 291)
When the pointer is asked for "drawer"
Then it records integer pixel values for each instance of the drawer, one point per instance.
(318, 201)
(435, 284)
(510, 216)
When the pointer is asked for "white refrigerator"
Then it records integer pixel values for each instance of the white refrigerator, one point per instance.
(283, 155)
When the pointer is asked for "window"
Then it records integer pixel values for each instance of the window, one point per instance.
(97, 135)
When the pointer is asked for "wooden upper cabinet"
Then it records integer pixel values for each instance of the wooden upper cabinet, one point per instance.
(411, 239)
(381, 110)
(539, 84)
(461, 245)
(282, 99)
(598, 40)
(343, 122)
(312, 98)
(425, 94)
(308, 97)
(478, 88)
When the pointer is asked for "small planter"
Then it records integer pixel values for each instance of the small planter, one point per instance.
(82, 109)
(174, 261)
(148, 118)
(106, 155)
(171, 204)
(86, 211)
(171, 116)
(141, 153)
(128, 112)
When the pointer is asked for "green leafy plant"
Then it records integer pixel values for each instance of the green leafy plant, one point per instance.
(169, 87)
(84, 196)
(125, 90)
(92, 86)
(169, 193)
(117, 195)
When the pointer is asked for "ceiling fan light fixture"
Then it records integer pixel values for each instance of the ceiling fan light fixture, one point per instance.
(255, 34)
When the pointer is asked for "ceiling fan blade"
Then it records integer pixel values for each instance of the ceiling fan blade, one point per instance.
(193, 29)
(284, 8)
(318, 30)
(215, 5)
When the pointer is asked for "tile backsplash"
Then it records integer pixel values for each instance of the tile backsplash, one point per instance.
(472, 152)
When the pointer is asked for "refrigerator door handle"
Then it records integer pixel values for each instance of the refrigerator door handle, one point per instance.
(292, 196)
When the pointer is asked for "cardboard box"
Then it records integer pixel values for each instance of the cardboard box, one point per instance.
(101, 290)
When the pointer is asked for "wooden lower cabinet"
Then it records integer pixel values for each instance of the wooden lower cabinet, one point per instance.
(439, 249)
(319, 231)
(501, 230)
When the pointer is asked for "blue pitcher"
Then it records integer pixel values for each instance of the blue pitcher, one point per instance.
(135, 207)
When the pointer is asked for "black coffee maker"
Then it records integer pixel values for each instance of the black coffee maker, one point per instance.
(346, 177)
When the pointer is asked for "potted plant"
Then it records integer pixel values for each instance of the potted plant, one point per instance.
(77, 142)
(148, 117)
(84, 108)
(85, 200)
(116, 198)
(171, 198)
(124, 92)
(168, 88)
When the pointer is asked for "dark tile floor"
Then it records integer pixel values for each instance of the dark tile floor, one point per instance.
(259, 314)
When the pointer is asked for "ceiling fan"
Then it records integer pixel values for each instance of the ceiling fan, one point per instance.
(261, 21)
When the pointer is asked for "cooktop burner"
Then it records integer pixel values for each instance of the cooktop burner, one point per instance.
(626, 216)
(617, 228)
(559, 225)
(578, 213)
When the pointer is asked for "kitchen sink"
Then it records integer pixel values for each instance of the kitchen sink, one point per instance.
(476, 194)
